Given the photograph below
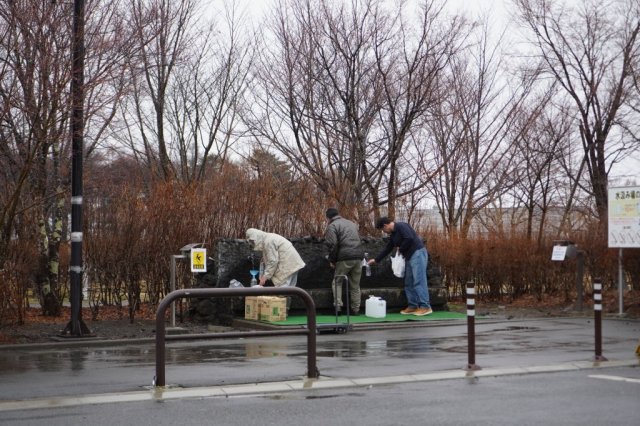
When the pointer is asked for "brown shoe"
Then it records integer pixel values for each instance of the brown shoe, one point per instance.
(422, 311)
(408, 310)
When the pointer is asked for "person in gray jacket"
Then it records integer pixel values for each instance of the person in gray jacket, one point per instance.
(345, 255)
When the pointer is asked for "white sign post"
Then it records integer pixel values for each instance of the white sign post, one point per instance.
(624, 226)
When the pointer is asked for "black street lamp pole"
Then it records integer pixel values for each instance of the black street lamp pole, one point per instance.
(76, 327)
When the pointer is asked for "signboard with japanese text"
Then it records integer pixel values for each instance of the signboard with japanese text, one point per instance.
(559, 253)
(198, 260)
(624, 217)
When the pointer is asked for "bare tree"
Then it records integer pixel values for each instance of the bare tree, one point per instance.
(162, 34)
(589, 50)
(204, 101)
(187, 76)
(109, 44)
(473, 136)
(314, 86)
(34, 88)
(34, 123)
(410, 69)
(542, 142)
(344, 86)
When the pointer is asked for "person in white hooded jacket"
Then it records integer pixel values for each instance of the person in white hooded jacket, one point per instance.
(281, 260)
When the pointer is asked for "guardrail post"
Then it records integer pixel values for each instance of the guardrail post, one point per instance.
(597, 309)
(310, 330)
(471, 325)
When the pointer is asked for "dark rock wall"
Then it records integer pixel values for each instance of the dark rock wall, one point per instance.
(232, 259)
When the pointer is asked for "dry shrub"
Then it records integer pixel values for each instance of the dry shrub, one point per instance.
(133, 228)
(512, 267)
(15, 282)
(133, 233)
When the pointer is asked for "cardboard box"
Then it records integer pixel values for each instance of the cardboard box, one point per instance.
(251, 307)
(265, 308)
(272, 308)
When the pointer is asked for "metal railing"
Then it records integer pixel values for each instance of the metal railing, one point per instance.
(310, 330)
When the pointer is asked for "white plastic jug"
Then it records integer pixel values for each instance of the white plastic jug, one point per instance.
(375, 307)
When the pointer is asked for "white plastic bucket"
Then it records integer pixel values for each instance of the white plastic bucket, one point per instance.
(375, 307)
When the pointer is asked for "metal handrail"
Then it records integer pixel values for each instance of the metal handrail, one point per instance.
(310, 330)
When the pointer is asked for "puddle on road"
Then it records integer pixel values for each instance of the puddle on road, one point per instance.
(53, 360)
(516, 328)
(291, 396)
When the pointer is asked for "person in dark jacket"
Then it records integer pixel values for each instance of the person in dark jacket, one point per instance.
(404, 239)
(345, 255)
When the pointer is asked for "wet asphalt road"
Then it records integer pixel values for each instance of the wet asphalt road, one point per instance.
(569, 398)
(42, 372)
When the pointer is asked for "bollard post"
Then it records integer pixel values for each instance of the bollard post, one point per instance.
(310, 331)
(471, 326)
(597, 309)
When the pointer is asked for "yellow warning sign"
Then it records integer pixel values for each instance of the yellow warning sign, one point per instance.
(198, 260)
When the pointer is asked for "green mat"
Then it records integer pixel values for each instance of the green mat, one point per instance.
(361, 319)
